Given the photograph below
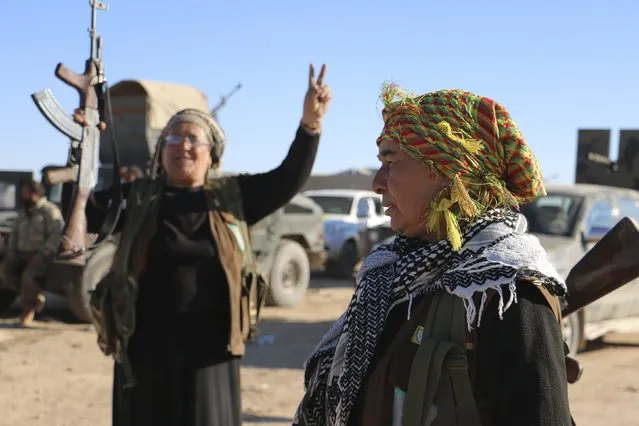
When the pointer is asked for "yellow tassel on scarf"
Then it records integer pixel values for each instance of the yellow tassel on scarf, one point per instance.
(471, 145)
(460, 195)
(440, 215)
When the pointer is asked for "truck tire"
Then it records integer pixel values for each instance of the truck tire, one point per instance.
(97, 267)
(7, 297)
(290, 275)
(571, 331)
(348, 259)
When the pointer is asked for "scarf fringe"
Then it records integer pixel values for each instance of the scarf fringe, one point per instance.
(474, 313)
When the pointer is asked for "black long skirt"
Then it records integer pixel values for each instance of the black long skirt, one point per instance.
(171, 391)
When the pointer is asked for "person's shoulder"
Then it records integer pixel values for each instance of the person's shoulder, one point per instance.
(226, 179)
(534, 289)
(21, 214)
(52, 210)
(227, 183)
(531, 298)
(143, 186)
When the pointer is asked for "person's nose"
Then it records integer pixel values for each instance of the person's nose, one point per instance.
(185, 145)
(379, 181)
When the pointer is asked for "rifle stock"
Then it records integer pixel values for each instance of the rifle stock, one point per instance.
(63, 175)
(75, 239)
(610, 264)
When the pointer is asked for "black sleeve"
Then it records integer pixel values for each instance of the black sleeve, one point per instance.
(98, 205)
(521, 363)
(264, 193)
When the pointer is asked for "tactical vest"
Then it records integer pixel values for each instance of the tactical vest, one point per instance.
(113, 301)
(440, 387)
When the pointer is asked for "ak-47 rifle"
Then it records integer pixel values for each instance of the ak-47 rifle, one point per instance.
(223, 100)
(84, 131)
(610, 264)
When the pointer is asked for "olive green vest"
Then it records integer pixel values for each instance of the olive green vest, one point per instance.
(440, 386)
(113, 301)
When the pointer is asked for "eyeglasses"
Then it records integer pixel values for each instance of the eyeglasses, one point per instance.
(174, 140)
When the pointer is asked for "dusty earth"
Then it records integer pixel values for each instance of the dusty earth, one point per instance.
(54, 375)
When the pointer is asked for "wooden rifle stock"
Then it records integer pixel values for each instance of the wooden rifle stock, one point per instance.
(75, 240)
(63, 175)
(610, 264)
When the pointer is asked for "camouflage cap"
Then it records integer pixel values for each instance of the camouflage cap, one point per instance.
(213, 131)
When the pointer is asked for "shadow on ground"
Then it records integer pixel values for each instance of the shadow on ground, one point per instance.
(607, 342)
(253, 418)
(55, 310)
(284, 344)
(320, 279)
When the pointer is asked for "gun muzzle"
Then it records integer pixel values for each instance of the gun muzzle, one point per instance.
(603, 160)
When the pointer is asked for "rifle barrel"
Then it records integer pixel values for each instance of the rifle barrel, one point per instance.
(223, 100)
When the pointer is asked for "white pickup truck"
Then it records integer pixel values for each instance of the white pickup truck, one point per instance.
(346, 213)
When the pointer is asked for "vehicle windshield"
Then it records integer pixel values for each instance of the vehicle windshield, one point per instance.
(7, 196)
(553, 214)
(333, 204)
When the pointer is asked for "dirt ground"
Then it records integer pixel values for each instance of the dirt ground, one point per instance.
(54, 375)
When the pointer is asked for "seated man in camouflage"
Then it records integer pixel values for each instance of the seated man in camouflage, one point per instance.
(33, 243)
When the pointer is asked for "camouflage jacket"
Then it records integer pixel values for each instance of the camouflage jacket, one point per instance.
(37, 229)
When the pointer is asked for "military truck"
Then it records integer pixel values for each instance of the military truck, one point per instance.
(9, 200)
(288, 243)
(594, 165)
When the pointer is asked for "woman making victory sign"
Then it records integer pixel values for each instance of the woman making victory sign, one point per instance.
(189, 331)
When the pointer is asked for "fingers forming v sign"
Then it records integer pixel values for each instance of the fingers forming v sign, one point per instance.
(317, 99)
(320, 79)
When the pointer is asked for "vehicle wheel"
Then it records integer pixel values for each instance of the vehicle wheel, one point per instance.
(7, 297)
(98, 266)
(290, 275)
(572, 332)
(348, 259)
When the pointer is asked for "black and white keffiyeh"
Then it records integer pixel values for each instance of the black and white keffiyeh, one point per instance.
(496, 252)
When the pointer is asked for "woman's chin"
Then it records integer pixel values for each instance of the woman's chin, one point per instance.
(395, 223)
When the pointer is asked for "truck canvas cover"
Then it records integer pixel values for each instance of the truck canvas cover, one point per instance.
(141, 109)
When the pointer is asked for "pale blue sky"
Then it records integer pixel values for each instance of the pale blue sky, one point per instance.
(556, 66)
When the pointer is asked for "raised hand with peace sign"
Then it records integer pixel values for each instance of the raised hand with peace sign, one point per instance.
(316, 101)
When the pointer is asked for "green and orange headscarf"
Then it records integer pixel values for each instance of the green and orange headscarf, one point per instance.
(472, 141)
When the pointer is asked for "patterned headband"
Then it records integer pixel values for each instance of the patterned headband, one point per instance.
(213, 131)
(214, 134)
(472, 141)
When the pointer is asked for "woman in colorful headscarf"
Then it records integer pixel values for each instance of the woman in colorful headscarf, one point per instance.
(462, 274)
(183, 247)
